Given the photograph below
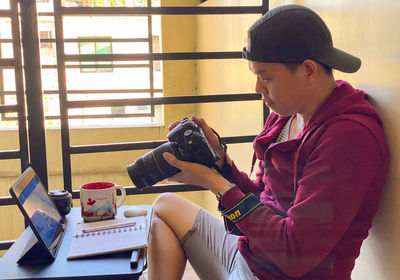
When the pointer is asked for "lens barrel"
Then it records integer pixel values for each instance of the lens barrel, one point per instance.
(152, 167)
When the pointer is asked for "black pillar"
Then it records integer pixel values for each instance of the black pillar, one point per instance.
(33, 85)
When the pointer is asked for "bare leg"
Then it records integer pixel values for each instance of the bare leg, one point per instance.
(173, 216)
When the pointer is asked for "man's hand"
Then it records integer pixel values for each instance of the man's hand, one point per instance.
(196, 174)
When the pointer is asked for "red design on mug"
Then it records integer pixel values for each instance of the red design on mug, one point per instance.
(91, 202)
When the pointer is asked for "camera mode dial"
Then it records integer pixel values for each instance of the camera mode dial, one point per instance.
(188, 132)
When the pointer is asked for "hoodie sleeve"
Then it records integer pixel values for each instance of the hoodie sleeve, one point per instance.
(242, 180)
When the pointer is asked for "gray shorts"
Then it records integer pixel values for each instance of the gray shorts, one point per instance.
(212, 252)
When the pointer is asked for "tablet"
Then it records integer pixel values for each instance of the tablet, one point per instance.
(41, 214)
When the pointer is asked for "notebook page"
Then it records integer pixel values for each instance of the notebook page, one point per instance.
(108, 240)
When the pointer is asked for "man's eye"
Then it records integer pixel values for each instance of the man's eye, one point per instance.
(264, 78)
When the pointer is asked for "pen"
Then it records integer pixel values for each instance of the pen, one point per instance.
(114, 226)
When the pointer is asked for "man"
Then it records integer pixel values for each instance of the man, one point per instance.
(323, 160)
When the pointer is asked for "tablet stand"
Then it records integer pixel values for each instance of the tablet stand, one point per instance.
(34, 253)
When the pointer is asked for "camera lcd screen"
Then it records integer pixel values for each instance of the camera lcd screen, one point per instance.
(38, 208)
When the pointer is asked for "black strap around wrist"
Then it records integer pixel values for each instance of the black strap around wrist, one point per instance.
(225, 170)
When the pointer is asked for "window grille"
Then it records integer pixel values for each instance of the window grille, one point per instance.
(99, 59)
(14, 64)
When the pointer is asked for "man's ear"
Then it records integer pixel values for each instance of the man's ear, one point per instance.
(311, 69)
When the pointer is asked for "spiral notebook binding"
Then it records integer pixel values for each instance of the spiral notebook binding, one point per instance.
(108, 231)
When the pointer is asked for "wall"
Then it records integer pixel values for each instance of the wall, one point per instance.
(369, 29)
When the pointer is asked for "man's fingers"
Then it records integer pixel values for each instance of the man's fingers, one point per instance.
(201, 122)
(171, 159)
(205, 127)
(172, 125)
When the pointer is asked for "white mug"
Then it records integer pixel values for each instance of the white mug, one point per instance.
(98, 200)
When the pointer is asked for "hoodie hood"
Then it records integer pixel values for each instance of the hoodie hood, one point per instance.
(343, 101)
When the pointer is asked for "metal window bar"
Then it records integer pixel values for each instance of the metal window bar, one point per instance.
(16, 64)
(19, 108)
(33, 85)
(56, 117)
(65, 104)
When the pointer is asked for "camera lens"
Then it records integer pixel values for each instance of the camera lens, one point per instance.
(152, 168)
(63, 201)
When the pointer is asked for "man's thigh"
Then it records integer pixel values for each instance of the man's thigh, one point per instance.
(176, 211)
(209, 249)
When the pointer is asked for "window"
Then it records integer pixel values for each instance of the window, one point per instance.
(46, 34)
(95, 48)
(94, 80)
(156, 49)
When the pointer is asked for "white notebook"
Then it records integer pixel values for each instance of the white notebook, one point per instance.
(97, 238)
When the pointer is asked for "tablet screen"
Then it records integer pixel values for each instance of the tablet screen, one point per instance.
(40, 210)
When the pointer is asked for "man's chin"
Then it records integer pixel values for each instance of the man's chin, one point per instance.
(270, 105)
(272, 109)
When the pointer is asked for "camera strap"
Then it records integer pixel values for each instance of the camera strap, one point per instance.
(237, 212)
(221, 142)
(225, 170)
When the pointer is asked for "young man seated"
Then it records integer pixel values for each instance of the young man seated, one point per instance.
(322, 162)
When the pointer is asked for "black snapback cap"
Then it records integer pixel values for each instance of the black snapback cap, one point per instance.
(294, 33)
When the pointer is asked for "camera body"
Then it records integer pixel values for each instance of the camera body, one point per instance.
(187, 142)
(192, 143)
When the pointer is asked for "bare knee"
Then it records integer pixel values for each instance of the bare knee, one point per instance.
(163, 203)
(176, 211)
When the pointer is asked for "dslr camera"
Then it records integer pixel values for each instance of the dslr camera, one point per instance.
(187, 142)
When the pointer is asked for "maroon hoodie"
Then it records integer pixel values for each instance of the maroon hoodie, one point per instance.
(320, 191)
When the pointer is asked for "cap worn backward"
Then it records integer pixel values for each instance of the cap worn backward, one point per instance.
(294, 33)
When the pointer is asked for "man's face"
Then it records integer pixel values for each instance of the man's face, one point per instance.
(280, 87)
